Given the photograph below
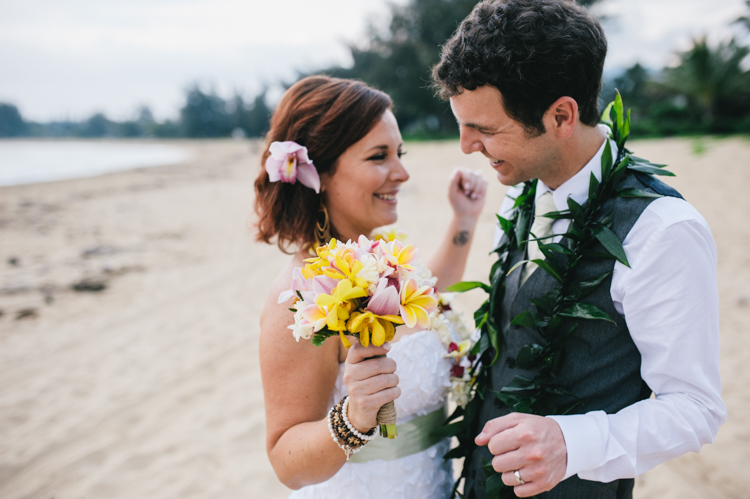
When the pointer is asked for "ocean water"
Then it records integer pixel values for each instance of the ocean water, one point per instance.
(28, 161)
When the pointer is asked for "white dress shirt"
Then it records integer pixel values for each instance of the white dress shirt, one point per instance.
(669, 300)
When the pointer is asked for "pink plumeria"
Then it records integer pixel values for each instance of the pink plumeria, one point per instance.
(288, 163)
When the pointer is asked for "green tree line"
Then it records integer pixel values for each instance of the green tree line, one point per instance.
(203, 115)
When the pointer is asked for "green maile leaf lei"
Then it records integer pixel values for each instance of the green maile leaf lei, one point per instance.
(589, 224)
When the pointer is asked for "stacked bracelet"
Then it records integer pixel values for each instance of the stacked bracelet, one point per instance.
(370, 435)
(343, 433)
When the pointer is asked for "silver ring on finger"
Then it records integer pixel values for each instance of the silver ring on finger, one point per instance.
(517, 474)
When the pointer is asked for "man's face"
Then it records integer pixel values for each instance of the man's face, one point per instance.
(485, 127)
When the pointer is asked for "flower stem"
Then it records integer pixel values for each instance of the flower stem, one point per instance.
(388, 431)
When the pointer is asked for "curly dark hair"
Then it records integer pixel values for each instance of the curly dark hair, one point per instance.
(533, 52)
(326, 115)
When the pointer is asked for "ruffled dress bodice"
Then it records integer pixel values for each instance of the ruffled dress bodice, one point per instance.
(424, 381)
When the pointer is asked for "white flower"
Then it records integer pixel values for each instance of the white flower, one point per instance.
(299, 329)
(370, 273)
(425, 278)
(458, 325)
(440, 326)
(460, 392)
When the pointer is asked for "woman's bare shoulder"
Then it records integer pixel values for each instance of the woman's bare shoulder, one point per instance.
(273, 309)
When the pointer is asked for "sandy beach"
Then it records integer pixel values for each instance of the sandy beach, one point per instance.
(129, 322)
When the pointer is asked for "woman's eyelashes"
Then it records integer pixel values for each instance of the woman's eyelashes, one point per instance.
(384, 156)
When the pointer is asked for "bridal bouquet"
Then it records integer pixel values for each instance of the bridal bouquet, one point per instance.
(365, 289)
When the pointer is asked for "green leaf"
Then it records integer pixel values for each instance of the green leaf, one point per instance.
(546, 303)
(619, 112)
(491, 332)
(494, 485)
(524, 319)
(522, 227)
(642, 161)
(606, 161)
(456, 453)
(519, 384)
(606, 219)
(481, 315)
(625, 130)
(514, 267)
(318, 339)
(528, 357)
(506, 225)
(637, 193)
(607, 114)
(556, 248)
(463, 286)
(583, 288)
(549, 268)
(557, 215)
(623, 164)
(593, 185)
(575, 209)
(651, 170)
(586, 311)
(611, 243)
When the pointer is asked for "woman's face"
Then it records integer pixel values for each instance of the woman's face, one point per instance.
(362, 194)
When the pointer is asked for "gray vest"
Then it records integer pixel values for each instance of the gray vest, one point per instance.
(601, 363)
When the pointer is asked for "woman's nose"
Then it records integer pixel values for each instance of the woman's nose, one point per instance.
(399, 173)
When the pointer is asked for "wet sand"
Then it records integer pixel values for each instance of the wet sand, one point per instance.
(144, 381)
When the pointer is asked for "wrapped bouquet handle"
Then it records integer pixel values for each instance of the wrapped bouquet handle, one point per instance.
(386, 417)
(364, 289)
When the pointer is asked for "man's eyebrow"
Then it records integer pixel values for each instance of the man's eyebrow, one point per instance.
(476, 127)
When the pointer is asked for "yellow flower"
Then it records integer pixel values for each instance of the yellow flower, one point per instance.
(339, 304)
(399, 254)
(315, 265)
(416, 304)
(367, 324)
(388, 234)
(347, 267)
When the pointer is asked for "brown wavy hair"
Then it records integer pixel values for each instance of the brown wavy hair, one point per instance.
(326, 115)
(533, 52)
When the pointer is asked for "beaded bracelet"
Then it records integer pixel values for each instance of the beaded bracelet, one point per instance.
(370, 435)
(344, 435)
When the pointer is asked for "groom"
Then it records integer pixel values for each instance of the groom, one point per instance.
(523, 78)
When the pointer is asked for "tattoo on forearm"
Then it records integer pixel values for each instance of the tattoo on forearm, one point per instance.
(461, 238)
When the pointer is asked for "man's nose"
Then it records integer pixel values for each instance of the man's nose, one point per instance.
(470, 140)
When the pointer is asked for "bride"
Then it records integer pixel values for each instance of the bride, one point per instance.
(345, 184)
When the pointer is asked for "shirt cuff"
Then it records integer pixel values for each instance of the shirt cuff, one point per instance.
(585, 440)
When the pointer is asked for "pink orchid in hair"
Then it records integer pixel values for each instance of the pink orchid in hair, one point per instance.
(288, 163)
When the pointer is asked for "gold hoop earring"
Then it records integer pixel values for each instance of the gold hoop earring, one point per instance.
(322, 230)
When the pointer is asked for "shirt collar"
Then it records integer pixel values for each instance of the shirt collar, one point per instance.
(577, 186)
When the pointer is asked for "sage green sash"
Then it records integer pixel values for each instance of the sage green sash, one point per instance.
(413, 436)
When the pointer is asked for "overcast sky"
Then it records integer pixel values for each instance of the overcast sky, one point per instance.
(70, 58)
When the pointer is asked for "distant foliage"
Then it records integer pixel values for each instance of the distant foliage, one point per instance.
(708, 92)
(11, 122)
(204, 115)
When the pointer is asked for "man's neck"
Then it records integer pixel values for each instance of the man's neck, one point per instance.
(576, 153)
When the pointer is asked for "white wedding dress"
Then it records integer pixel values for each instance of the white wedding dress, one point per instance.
(424, 380)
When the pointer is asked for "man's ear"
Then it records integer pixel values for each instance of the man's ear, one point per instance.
(562, 117)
